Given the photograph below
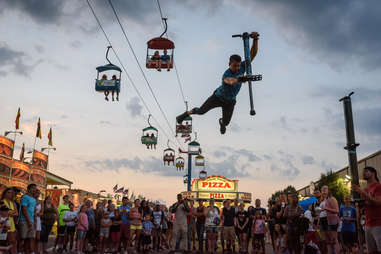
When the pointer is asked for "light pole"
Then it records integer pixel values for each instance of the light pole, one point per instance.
(352, 156)
(48, 148)
(193, 149)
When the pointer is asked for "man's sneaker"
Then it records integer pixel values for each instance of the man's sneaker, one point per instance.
(180, 118)
(222, 126)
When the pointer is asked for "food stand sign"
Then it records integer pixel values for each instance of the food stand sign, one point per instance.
(39, 159)
(216, 184)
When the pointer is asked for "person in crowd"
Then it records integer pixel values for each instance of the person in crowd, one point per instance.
(38, 213)
(136, 223)
(124, 211)
(200, 212)
(71, 219)
(62, 209)
(82, 228)
(104, 232)
(211, 223)
(99, 213)
(292, 213)
(5, 225)
(147, 232)
(280, 240)
(144, 208)
(372, 196)
(8, 197)
(258, 232)
(156, 60)
(91, 235)
(331, 207)
(323, 222)
(49, 217)
(166, 59)
(191, 224)
(311, 240)
(165, 228)
(157, 218)
(111, 210)
(27, 219)
(115, 231)
(228, 215)
(241, 225)
(348, 230)
(180, 210)
(249, 224)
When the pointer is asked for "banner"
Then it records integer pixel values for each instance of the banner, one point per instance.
(18, 184)
(244, 196)
(216, 184)
(5, 167)
(40, 159)
(55, 195)
(20, 171)
(217, 195)
(38, 176)
(6, 146)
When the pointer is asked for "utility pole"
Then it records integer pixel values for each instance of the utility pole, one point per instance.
(352, 158)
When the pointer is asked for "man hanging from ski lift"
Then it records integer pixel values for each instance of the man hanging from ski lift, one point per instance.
(225, 95)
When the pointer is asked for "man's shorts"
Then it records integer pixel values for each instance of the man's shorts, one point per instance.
(125, 231)
(70, 230)
(229, 233)
(136, 227)
(104, 232)
(61, 230)
(349, 238)
(373, 238)
(26, 232)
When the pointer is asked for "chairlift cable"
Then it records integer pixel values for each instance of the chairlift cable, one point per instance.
(174, 64)
(128, 76)
(143, 73)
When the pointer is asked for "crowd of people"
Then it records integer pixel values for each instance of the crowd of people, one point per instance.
(142, 226)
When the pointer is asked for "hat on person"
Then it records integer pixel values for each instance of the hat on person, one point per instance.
(157, 202)
(374, 171)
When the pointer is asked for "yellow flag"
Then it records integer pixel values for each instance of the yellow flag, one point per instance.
(38, 133)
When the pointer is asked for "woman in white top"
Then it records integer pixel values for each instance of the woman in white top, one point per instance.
(212, 222)
(38, 213)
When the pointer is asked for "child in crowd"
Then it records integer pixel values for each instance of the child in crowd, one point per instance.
(5, 225)
(115, 230)
(104, 232)
(70, 218)
(82, 228)
(258, 231)
(147, 232)
(280, 240)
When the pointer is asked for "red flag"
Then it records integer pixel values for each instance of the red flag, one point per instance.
(38, 132)
(17, 121)
(50, 137)
(22, 152)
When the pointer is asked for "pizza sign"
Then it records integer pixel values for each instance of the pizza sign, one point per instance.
(216, 183)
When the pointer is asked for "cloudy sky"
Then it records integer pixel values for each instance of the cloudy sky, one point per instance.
(310, 54)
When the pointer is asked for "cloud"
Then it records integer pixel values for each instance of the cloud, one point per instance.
(39, 48)
(43, 12)
(134, 107)
(336, 32)
(105, 122)
(64, 117)
(249, 154)
(228, 168)
(288, 170)
(15, 60)
(308, 160)
(76, 44)
(219, 154)
(147, 165)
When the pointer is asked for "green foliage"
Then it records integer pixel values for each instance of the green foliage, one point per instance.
(336, 185)
(288, 189)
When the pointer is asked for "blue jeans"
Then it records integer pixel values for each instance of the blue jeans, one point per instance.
(200, 236)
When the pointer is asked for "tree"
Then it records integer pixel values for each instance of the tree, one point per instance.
(336, 185)
(288, 189)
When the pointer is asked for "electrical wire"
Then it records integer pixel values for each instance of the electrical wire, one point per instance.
(174, 63)
(143, 73)
(128, 76)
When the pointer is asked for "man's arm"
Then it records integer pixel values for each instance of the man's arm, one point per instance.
(254, 47)
(376, 200)
(24, 210)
